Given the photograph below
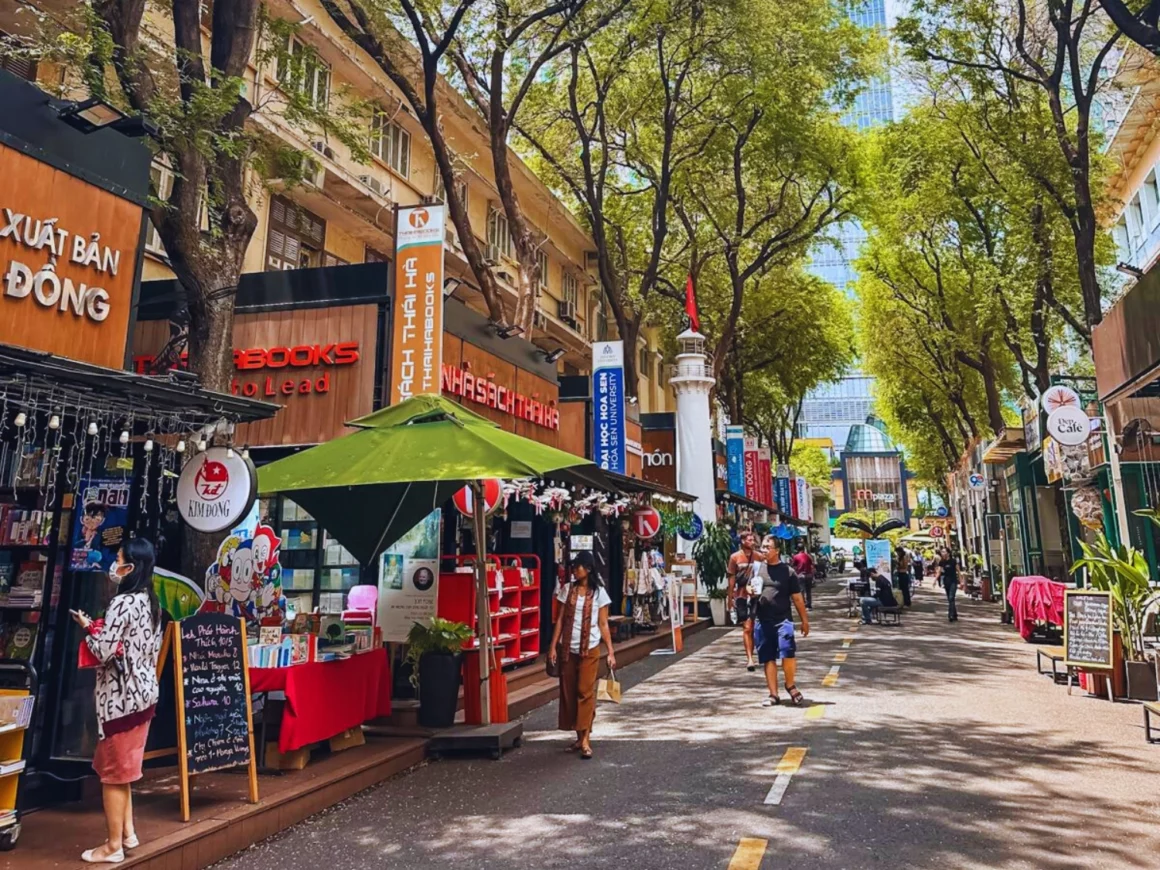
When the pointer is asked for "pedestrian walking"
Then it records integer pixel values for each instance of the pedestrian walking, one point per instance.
(917, 564)
(774, 633)
(947, 576)
(126, 646)
(803, 564)
(575, 647)
(902, 573)
(743, 578)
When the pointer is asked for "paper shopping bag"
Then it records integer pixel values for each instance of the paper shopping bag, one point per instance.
(608, 690)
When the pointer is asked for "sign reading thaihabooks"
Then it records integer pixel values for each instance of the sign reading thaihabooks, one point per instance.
(417, 327)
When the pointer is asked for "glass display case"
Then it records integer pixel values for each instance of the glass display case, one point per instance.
(317, 571)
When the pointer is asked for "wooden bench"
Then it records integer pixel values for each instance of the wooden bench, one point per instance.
(1054, 654)
(1150, 707)
(895, 613)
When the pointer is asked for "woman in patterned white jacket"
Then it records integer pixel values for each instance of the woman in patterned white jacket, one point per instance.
(127, 646)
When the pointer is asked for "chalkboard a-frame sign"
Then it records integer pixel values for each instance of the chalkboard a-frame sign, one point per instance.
(212, 677)
(1087, 629)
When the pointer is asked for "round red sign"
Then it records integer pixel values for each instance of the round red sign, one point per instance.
(646, 522)
(492, 494)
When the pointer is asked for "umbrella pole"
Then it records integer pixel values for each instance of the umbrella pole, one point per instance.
(482, 606)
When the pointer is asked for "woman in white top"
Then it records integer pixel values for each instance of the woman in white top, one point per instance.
(582, 623)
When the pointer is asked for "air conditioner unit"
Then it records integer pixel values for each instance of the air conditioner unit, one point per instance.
(451, 239)
(504, 275)
(373, 184)
(323, 149)
(493, 256)
(313, 173)
(567, 312)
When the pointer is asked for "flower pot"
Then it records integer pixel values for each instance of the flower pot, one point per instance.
(1141, 681)
(717, 610)
(438, 689)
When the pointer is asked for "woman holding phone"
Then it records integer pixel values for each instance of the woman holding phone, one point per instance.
(127, 646)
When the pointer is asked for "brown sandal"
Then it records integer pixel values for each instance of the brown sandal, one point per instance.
(586, 754)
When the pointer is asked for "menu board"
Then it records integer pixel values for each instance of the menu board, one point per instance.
(213, 698)
(1087, 628)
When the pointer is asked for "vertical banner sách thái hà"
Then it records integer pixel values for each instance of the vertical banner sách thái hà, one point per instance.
(610, 447)
(417, 309)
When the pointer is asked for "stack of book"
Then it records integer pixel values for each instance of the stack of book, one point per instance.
(26, 590)
(24, 527)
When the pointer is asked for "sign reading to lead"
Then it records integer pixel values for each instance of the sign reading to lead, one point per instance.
(417, 330)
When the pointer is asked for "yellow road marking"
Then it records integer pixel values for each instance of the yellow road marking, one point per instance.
(792, 760)
(846, 641)
(749, 854)
(816, 712)
(830, 680)
(839, 657)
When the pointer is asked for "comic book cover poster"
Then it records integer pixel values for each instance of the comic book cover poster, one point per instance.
(246, 578)
(99, 522)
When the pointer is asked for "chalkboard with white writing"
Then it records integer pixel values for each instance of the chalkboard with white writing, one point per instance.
(1087, 628)
(214, 692)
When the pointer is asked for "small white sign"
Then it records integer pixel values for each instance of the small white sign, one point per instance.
(216, 490)
(521, 528)
(1069, 425)
(581, 542)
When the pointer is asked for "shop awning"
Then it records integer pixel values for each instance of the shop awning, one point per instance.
(1008, 444)
(636, 486)
(79, 384)
(727, 497)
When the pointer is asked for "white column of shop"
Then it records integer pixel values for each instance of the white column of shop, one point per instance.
(692, 381)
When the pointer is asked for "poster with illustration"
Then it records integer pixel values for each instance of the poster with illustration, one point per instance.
(408, 575)
(246, 578)
(99, 521)
(878, 555)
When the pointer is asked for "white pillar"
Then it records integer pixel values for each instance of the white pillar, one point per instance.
(692, 382)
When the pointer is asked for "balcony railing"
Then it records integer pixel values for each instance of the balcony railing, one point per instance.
(690, 370)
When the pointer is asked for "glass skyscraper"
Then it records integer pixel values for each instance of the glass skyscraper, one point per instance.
(830, 410)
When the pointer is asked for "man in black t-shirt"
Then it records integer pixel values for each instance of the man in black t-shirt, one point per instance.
(781, 592)
(883, 595)
(948, 579)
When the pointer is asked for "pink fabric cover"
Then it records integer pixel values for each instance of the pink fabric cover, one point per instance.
(1035, 599)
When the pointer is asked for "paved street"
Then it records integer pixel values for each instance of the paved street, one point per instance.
(936, 746)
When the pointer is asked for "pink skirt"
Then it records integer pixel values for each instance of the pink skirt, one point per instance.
(118, 758)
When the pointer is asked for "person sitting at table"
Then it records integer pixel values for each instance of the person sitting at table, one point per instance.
(883, 597)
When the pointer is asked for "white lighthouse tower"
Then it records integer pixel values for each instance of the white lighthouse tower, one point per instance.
(692, 381)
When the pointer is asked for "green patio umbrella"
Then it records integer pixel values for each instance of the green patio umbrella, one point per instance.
(368, 488)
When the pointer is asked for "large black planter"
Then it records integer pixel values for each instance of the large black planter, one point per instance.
(438, 689)
(1141, 680)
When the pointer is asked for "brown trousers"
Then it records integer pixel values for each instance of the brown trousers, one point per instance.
(578, 690)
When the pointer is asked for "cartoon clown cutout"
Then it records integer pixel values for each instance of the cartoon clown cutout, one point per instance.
(246, 579)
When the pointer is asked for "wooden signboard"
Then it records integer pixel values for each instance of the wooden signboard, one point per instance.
(214, 729)
(1087, 629)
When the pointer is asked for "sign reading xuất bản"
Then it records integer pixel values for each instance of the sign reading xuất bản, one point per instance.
(417, 316)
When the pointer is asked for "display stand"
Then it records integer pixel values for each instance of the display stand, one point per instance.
(514, 604)
(12, 763)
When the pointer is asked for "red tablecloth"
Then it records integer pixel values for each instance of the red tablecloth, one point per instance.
(324, 699)
(1035, 599)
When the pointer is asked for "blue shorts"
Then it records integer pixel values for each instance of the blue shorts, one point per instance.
(774, 640)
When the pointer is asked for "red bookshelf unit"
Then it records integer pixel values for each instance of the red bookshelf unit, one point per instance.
(513, 583)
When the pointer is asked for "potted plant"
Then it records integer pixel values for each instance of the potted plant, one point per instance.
(1123, 571)
(711, 553)
(434, 653)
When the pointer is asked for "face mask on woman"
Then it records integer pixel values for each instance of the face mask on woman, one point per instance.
(118, 572)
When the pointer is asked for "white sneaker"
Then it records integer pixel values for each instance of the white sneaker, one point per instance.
(130, 842)
(115, 858)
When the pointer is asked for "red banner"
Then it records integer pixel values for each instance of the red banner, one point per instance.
(752, 477)
(765, 475)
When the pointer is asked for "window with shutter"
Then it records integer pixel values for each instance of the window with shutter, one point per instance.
(18, 65)
(295, 237)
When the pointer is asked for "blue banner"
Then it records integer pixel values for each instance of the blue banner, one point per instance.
(781, 494)
(735, 456)
(609, 449)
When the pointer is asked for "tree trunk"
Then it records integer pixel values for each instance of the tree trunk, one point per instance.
(1086, 228)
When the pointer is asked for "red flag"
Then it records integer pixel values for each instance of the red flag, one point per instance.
(691, 305)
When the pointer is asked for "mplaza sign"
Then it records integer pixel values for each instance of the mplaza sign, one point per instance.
(869, 495)
(486, 392)
(285, 360)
